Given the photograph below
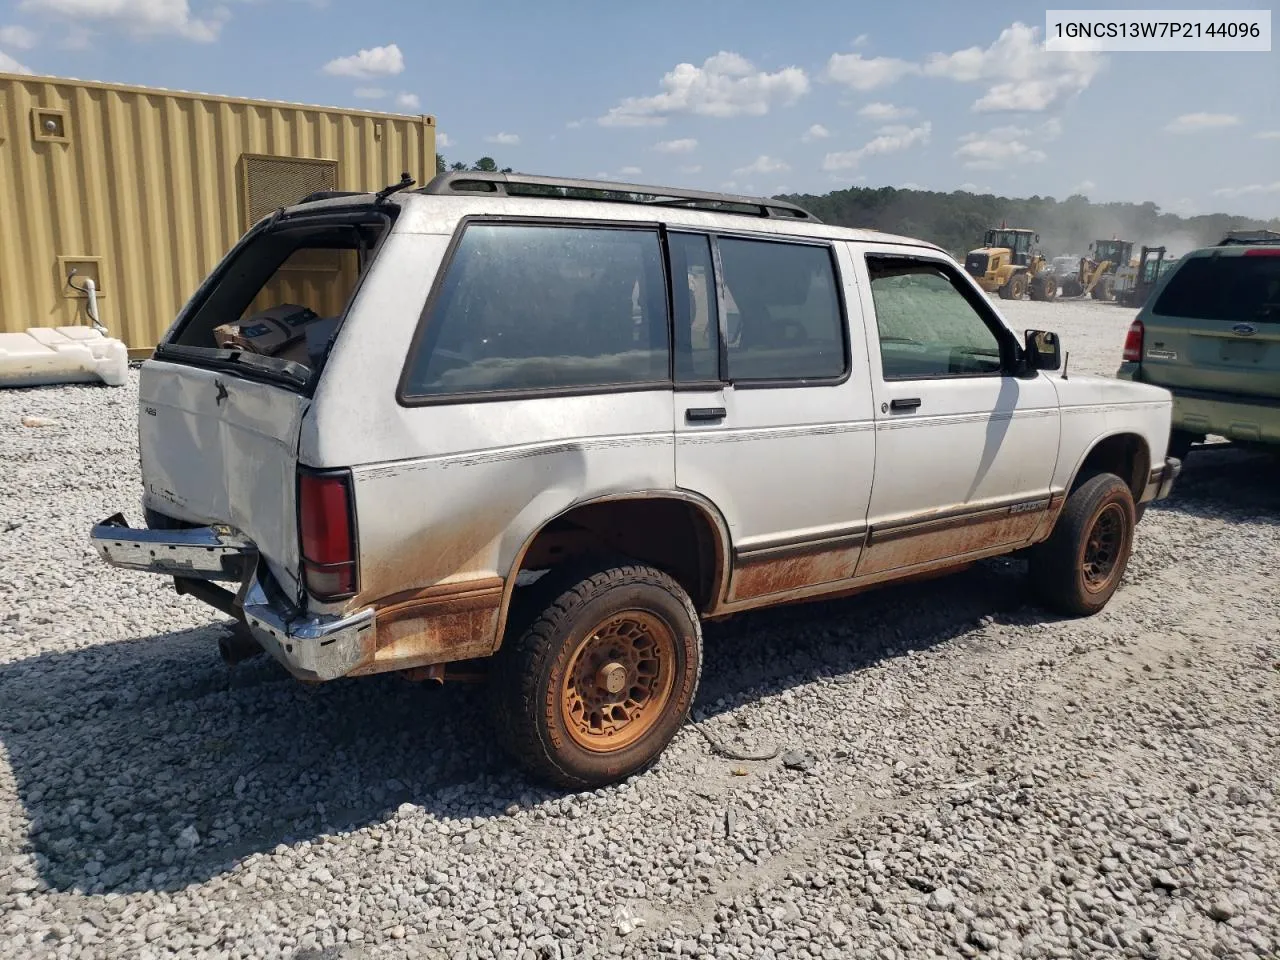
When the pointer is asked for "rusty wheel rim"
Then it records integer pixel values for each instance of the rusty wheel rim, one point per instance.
(619, 681)
(1103, 547)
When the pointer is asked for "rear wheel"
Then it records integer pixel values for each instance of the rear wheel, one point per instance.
(1080, 566)
(595, 687)
(1104, 288)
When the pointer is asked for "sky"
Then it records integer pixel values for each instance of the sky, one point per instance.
(750, 97)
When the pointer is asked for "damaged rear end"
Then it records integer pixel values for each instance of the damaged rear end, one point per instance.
(230, 513)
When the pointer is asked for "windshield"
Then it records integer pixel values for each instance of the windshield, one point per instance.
(1018, 242)
(276, 303)
(1244, 289)
(1112, 250)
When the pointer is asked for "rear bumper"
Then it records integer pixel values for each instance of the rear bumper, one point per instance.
(311, 647)
(1234, 416)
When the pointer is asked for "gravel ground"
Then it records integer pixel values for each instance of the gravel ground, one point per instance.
(964, 775)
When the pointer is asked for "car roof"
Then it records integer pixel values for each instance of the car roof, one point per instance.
(422, 212)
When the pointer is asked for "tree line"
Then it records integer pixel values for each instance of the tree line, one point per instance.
(957, 221)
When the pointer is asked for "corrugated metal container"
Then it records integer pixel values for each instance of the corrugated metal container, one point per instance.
(144, 190)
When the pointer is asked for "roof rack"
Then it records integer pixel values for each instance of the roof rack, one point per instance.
(523, 185)
(1249, 237)
(329, 195)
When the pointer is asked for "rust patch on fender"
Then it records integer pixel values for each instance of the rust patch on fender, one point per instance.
(437, 624)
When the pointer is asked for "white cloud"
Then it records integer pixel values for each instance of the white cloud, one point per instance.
(408, 101)
(685, 145)
(630, 171)
(1084, 186)
(369, 93)
(442, 139)
(504, 139)
(863, 73)
(371, 62)
(692, 168)
(76, 38)
(1021, 74)
(885, 111)
(816, 132)
(910, 185)
(861, 40)
(890, 140)
(20, 38)
(975, 188)
(573, 124)
(726, 85)
(997, 148)
(1267, 135)
(10, 65)
(142, 18)
(763, 164)
(1195, 122)
(1248, 190)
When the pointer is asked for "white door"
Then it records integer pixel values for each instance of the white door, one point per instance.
(965, 446)
(770, 426)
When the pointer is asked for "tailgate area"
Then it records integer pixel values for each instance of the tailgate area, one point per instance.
(218, 449)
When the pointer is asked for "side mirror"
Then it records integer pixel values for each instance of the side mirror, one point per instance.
(1042, 350)
(1037, 238)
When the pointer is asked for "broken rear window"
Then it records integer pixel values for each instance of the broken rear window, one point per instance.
(282, 294)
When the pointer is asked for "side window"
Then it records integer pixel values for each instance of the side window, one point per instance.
(927, 326)
(527, 307)
(783, 306)
(697, 323)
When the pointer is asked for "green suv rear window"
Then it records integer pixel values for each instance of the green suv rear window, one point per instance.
(1235, 289)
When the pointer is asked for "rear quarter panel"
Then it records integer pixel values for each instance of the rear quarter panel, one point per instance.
(1094, 408)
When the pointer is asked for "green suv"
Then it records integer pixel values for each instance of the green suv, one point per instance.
(1210, 334)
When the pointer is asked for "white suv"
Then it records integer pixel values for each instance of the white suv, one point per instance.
(548, 426)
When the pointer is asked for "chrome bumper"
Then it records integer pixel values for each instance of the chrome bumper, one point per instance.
(311, 646)
(1161, 481)
(202, 553)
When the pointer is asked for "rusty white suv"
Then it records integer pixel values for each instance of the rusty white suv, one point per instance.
(546, 427)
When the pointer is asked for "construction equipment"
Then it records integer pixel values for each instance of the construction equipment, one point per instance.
(1096, 276)
(1006, 264)
(1133, 281)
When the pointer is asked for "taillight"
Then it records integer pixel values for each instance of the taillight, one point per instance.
(1133, 342)
(327, 532)
(1267, 252)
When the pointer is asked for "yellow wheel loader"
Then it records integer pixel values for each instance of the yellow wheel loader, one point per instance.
(1007, 265)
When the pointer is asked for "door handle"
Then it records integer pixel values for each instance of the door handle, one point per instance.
(704, 414)
(908, 403)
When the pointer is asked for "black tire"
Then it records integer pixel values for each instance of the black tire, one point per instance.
(1076, 571)
(1050, 290)
(1071, 287)
(546, 683)
(1008, 290)
(1104, 288)
(1037, 289)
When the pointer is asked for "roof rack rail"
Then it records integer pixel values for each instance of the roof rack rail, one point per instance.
(329, 195)
(462, 184)
(1249, 237)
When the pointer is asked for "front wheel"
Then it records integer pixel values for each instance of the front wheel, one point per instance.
(595, 687)
(1079, 567)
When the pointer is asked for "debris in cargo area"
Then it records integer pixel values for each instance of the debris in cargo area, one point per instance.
(51, 355)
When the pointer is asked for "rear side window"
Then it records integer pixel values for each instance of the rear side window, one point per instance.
(531, 307)
(783, 311)
(1236, 289)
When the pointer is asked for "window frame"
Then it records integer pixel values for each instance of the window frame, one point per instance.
(972, 294)
(407, 399)
(722, 309)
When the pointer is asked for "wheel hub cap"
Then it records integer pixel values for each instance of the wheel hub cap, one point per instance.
(618, 681)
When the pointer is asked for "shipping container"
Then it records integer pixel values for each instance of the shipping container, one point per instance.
(143, 190)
